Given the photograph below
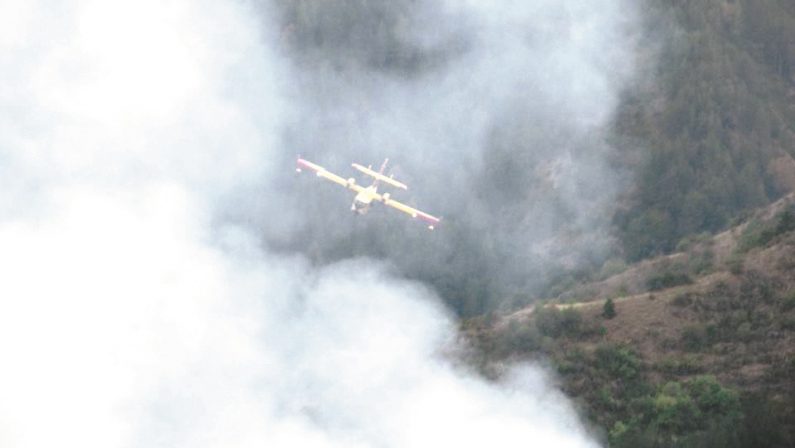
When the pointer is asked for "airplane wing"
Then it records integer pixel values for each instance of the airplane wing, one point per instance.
(431, 220)
(386, 179)
(326, 174)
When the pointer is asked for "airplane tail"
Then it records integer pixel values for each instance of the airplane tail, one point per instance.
(383, 167)
(380, 176)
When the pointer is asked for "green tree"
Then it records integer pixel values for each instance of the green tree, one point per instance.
(609, 309)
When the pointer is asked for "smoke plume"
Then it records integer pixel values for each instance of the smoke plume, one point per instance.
(495, 113)
(168, 282)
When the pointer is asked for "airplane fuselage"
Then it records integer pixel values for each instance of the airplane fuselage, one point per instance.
(363, 200)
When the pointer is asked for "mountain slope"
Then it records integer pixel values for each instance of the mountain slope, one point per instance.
(710, 127)
(719, 316)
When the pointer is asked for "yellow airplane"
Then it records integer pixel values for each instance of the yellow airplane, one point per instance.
(366, 195)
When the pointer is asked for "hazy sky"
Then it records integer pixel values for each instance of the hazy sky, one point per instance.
(144, 148)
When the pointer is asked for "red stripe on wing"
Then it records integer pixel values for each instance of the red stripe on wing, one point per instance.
(428, 218)
(307, 164)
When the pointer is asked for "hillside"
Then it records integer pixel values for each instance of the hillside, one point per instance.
(700, 352)
(709, 130)
(697, 344)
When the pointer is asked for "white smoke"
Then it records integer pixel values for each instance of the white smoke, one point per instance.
(497, 113)
(132, 315)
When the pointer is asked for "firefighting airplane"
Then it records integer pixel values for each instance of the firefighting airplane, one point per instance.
(366, 195)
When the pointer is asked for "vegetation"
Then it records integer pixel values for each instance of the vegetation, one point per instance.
(667, 280)
(712, 363)
(759, 233)
(609, 309)
(718, 371)
(719, 131)
(682, 414)
(717, 123)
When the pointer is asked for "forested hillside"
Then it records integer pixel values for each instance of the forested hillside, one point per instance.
(686, 338)
(693, 349)
(715, 123)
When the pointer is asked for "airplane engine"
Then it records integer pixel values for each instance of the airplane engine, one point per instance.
(385, 196)
(351, 181)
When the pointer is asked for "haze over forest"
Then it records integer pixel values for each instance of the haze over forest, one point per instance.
(613, 268)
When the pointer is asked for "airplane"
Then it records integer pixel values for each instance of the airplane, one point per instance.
(365, 196)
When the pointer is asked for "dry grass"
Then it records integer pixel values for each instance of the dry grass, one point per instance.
(653, 324)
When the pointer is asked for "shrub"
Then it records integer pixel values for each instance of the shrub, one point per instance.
(605, 398)
(685, 243)
(571, 322)
(520, 337)
(700, 261)
(609, 309)
(788, 324)
(682, 300)
(788, 303)
(756, 287)
(617, 361)
(555, 323)
(765, 423)
(712, 398)
(682, 365)
(674, 409)
(760, 233)
(618, 433)
(667, 280)
(744, 332)
(736, 264)
(694, 338)
(785, 222)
